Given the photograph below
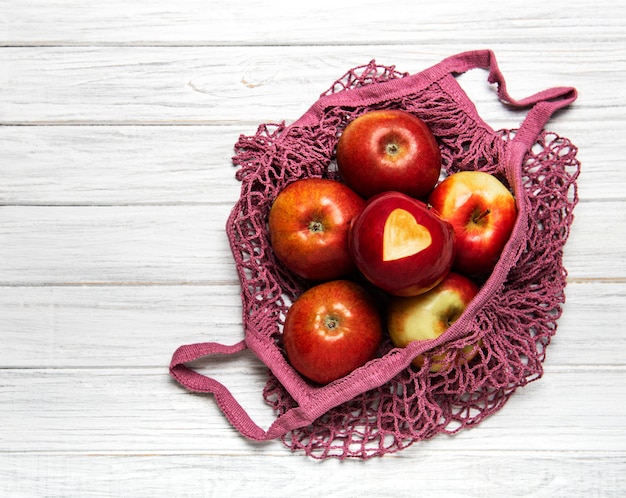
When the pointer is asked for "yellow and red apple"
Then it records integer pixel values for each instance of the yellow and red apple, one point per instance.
(482, 211)
(400, 245)
(427, 316)
(389, 150)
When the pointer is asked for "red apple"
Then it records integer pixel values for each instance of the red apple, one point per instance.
(332, 329)
(389, 150)
(482, 211)
(400, 245)
(427, 316)
(308, 227)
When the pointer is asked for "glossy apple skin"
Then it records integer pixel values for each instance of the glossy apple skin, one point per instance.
(415, 273)
(309, 224)
(389, 150)
(429, 315)
(332, 329)
(483, 213)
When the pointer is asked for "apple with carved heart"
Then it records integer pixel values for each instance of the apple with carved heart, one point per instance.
(400, 245)
(332, 329)
(389, 150)
(427, 316)
(308, 227)
(483, 213)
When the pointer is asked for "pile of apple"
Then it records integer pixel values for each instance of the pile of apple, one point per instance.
(389, 248)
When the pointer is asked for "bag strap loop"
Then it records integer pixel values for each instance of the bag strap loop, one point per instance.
(199, 383)
(543, 104)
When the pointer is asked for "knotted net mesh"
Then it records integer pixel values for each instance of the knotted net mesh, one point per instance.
(511, 331)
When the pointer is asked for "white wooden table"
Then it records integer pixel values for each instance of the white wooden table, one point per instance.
(117, 126)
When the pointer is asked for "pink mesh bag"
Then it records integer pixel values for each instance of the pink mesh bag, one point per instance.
(388, 404)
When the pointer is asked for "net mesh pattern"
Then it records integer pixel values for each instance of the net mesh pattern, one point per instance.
(510, 332)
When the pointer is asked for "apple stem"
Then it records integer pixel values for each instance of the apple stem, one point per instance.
(479, 217)
(392, 149)
(316, 226)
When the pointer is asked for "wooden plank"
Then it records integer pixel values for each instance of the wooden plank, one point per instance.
(141, 326)
(586, 332)
(122, 327)
(474, 473)
(200, 85)
(188, 244)
(142, 410)
(146, 165)
(130, 245)
(591, 247)
(130, 165)
(37, 22)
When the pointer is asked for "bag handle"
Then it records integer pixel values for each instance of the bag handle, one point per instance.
(196, 382)
(543, 103)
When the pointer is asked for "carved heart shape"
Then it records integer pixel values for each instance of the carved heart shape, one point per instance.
(403, 236)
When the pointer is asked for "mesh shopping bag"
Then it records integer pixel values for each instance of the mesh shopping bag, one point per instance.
(388, 404)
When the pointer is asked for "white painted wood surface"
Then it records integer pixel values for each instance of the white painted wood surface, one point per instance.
(117, 122)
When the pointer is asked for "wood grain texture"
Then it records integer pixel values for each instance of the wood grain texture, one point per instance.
(215, 85)
(519, 473)
(121, 408)
(119, 165)
(117, 126)
(324, 23)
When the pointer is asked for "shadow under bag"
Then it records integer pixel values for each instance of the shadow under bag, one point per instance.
(388, 404)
